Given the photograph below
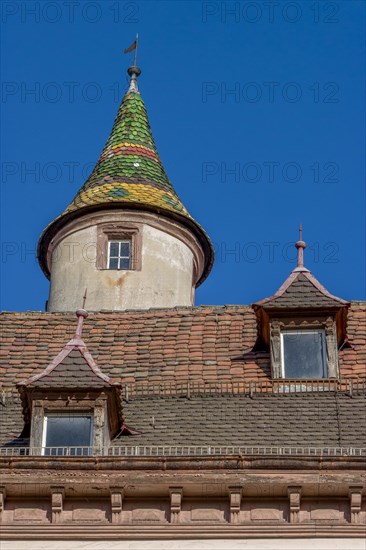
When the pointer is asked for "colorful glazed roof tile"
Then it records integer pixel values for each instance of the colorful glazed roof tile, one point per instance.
(129, 168)
(129, 174)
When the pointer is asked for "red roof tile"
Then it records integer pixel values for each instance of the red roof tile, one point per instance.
(201, 343)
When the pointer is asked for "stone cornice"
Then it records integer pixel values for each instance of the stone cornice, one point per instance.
(140, 532)
(164, 463)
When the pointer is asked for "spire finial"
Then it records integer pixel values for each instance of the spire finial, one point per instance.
(81, 314)
(84, 298)
(300, 245)
(133, 71)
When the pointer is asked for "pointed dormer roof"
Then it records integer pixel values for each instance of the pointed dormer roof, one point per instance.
(72, 368)
(129, 174)
(301, 290)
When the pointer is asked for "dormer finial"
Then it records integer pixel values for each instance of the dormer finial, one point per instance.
(81, 314)
(300, 245)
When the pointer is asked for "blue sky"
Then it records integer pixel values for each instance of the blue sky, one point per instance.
(258, 113)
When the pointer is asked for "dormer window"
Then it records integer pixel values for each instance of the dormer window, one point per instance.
(62, 433)
(119, 254)
(303, 354)
(302, 326)
(73, 408)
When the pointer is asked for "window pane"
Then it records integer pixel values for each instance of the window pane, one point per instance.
(68, 430)
(113, 263)
(113, 249)
(303, 354)
(125, 263)
(125, 248)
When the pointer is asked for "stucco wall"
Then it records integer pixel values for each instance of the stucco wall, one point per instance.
(165, 278)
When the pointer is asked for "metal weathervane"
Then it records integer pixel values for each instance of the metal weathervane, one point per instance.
(133, 47)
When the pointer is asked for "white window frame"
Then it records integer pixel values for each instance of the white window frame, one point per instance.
(319, 331)
(119, 257)
(61, 414)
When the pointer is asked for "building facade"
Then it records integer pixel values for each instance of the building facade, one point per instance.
(147, 422)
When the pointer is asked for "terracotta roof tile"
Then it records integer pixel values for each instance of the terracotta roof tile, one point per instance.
(142, 347)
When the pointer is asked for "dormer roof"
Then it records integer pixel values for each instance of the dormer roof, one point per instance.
(301, 290)
(72, 368)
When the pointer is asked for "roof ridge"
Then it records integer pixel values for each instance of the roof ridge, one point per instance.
(139, 312)
(314, 281)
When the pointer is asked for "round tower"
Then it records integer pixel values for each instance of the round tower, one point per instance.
(126, 237)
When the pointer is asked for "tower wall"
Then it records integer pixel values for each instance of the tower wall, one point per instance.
(167, 264)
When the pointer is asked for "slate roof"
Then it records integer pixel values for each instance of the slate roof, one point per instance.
(302, 419)
(72, 372)
(301, 290)
(129, 174)
(315, 419)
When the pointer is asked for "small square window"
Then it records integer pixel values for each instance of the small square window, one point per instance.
(119, 246)
(119, 254)
(67, 434)
(303, 354)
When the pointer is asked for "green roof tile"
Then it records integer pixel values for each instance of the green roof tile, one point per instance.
(129, 173)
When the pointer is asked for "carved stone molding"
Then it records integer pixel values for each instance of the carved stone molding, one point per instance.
(117, 494)
(36, 433)
(176, 495)
(355, 495)
(235, 494)
(331, 344)
(57, 501)
(276, 349)
(294, 494)
(2, 500)
(302, 322)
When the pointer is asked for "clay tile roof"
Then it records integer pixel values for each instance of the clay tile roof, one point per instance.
(201, 347)
(129, 174)
(210, 343)
(301, 290)
(73, 367)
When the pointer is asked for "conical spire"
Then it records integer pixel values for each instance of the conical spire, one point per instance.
(129, 174)
(129, 169)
